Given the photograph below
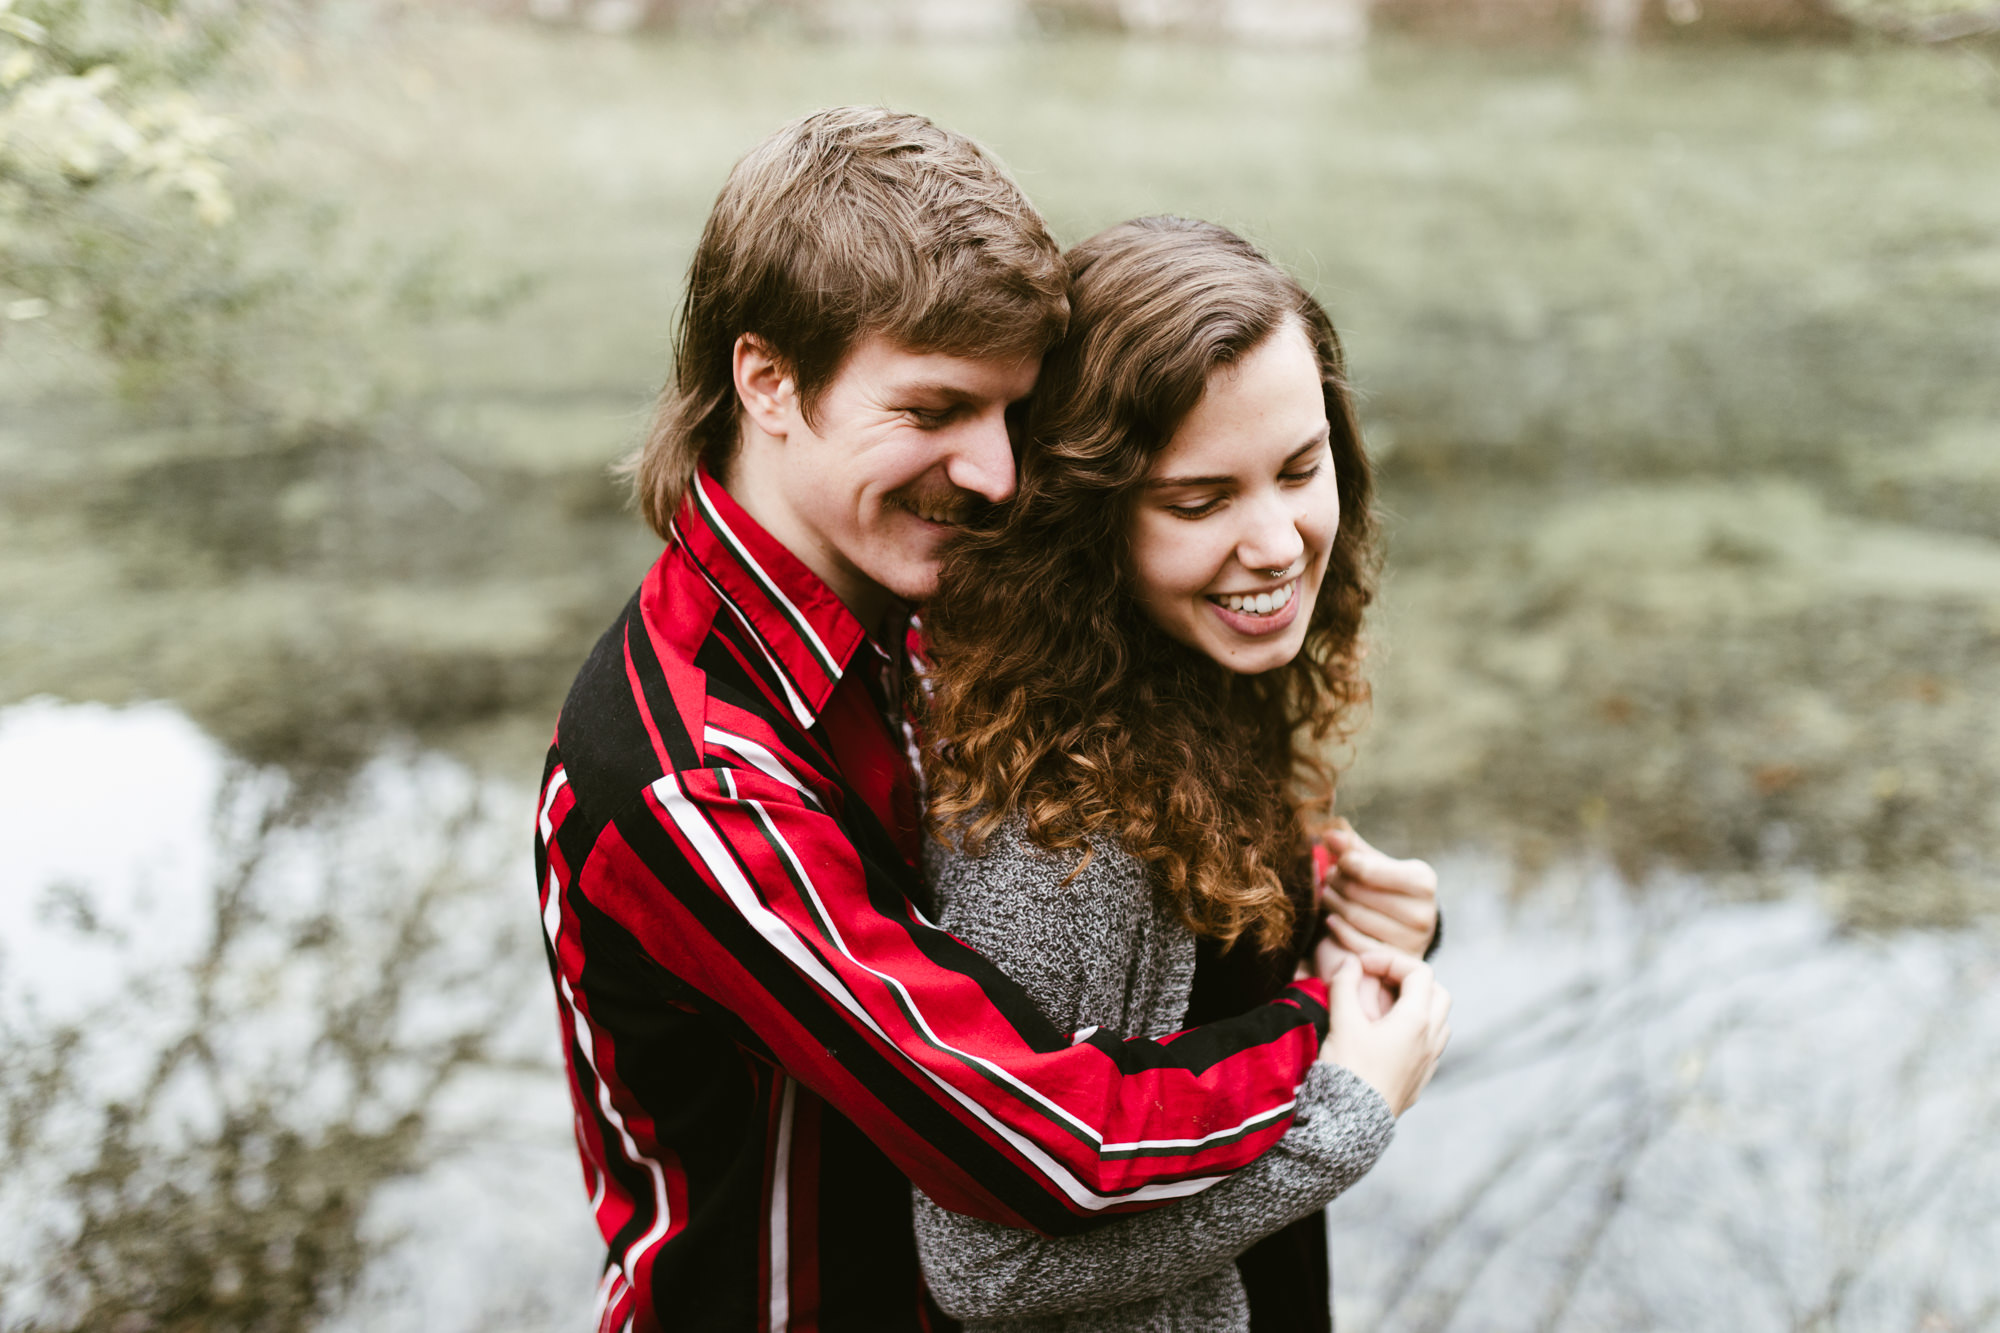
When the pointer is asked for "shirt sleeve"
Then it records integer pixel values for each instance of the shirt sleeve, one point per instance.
(742, 888)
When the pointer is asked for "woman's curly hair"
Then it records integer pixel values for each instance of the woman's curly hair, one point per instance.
(1052, 694)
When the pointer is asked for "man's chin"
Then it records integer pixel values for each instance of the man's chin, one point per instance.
(913, 582)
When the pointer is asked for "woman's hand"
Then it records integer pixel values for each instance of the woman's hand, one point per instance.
(1377, 901)
(1396, 1052)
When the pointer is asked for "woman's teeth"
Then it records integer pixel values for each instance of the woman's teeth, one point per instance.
(1259, 604)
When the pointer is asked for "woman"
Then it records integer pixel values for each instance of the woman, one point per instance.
(1136, 665)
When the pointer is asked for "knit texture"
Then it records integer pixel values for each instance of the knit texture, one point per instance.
(1102, 950)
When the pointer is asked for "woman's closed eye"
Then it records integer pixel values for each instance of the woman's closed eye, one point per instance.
(1196, 508)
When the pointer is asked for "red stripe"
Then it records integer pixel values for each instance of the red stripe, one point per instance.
(645, 712)
(842, 958)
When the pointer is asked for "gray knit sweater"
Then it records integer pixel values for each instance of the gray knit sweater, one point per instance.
(1101, 949)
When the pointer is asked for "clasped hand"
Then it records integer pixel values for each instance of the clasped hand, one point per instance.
(1390, 1018)
(1376, 900)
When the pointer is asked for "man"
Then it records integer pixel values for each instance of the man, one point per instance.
(764, 1034)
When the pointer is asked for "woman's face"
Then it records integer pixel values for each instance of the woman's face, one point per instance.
(1231, 532)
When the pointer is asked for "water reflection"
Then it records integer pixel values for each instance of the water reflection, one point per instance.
(270, 1052)
(1665, 1112)
(279, 1056)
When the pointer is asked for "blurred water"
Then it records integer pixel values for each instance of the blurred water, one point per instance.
(321, 1018)
(1661, 1110)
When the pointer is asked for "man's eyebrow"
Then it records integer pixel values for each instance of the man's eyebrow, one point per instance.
(932, 389)
(1165, 483)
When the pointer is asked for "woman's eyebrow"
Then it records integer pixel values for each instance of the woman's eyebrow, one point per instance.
(1163, 483)
(1320, 437)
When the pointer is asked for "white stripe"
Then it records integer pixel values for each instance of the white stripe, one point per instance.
(552, 908)
(750, 562)
(760, 758)
(798, 706)
(606, 1292)
(708, 844)
(780, 1219)
(771, 828)
(557, 780)
(588, 1047)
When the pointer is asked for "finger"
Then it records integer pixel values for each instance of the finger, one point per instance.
(1412, 909)
(1339, 833)
(1350, 939)
(1371, 867)
(1344, 996)
(1329, 957)
(1399, 968)
(1368, 921)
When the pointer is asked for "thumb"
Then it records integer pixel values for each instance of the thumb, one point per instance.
(1344, 993)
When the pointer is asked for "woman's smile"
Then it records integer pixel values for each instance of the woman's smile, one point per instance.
(1258, 613)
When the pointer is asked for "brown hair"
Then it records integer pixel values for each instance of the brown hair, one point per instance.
(844, 224)
(1054, 695)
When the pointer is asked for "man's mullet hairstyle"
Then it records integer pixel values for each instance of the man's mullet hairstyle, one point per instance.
(845, 224)
(1052, 694)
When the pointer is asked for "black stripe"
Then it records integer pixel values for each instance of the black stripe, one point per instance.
(689, 1073)
(827, 1023)
(667, 719)
(779, 602)
(603, 743)
(868, 1272)
(735, 678)
(765, 651)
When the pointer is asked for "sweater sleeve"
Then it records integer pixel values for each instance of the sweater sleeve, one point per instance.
(979, 1270)
(1072, 947)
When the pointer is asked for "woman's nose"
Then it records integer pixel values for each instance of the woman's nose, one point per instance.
(1271, 538)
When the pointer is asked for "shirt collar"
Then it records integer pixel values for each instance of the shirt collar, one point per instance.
(802, 626)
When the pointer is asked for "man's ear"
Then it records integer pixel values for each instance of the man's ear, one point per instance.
(764, 386)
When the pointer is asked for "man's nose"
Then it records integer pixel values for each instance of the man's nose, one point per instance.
(982, 457)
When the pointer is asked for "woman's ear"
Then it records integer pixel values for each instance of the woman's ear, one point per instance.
(764, 386)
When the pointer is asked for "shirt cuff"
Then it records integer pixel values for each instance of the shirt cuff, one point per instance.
(1309, 993)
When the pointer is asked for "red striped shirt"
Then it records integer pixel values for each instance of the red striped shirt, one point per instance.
(765, 1035)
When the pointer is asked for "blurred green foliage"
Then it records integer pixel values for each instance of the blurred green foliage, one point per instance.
(144, 221)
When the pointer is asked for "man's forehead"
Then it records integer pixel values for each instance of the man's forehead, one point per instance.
(891, 367)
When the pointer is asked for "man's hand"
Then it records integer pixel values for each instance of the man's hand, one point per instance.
(1377, 901)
